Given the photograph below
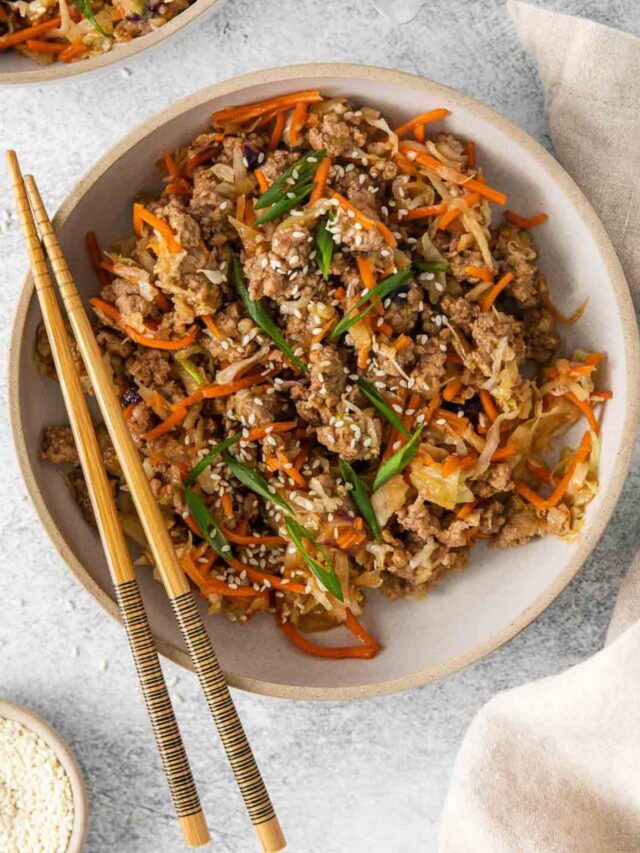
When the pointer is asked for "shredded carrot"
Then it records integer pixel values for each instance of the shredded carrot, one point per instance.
(419, 133)
(541, 472)
(579, 456)
(599, 396)
(466, 509)
(483, 273)
(388, 237)
(117, 14)
(447, 217)
(213, 586)
(452, 390)
(488, 405)
(266, 429)
(73, 51)
(210, 324)
(487, 299)
(586, 410)
(95, 256)
(310, 648)
(44, 46)
(28, 33)
(320, 181)
(199, 158)
(275, 581)
(405, 165)
(276, 133)
(298, 120)
(363, 358)
(425, 212)
(470, 151)
(173, 419)
(263, 183)
(421, 120)
(128, 410)
(171, 166)
(141, 214)
(227, 504)
(504, 452)
(255, 539)
(157, 403)
(287, 467)
(365, 221)
(450, 174)
(450, 465)
(157, 343)
(282, 102)
(572, 319)
(106, 308)
(523, 222)
(385, 328)
(214, 390)
(358, 631)
(401, 343)
(529, 494)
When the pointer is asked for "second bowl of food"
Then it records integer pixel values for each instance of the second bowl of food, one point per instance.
(377, 353)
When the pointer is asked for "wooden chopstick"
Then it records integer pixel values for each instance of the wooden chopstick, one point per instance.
(165, 728)
(205, 662)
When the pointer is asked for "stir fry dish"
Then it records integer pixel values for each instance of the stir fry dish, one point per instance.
(68, 31)
(340, 374)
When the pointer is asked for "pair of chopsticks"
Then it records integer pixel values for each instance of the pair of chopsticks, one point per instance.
(174, 759)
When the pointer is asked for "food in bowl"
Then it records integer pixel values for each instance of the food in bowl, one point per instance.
(341, 376)
(69, 31)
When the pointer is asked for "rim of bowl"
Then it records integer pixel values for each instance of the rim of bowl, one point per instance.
(119, 53)
(32, 721)
(621, 465)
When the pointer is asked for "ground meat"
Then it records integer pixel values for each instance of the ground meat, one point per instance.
(488, 331)
(456, 535)
(541, 339)
(327, 380)
(78, 486)
(133, 307)
(268, 273)
(492, 517)
(516, 254)
(351, 435)
(404, 309)
(58, 448)
(521, 526)
(275, 163)
(460, 311)
(419, 519)
(184, 226)
(211, 208)
(234, 328)
(336, 136)
(557, 521)
(115, 344)
(430, 369)
(149, 367)
(496, 479)
(254, 407)
(358, 240)
(292, 245)
(459, 262)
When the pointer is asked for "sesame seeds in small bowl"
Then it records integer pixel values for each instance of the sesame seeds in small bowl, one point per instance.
(43, 802)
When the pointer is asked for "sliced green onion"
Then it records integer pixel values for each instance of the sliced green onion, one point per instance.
(286, 203)
(304, 168)
(211, 532)
(400, 459)
(377, 293)
(210, 458)
(194, 372)
(254, 481)
(324, 247)
(360, 498)
(260, 316)
(432, 266)
(373, 395)
(325, 574)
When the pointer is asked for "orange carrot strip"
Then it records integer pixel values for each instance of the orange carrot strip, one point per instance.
(173, 419)
(275, 581)
(45, 46)
(72, 52)
(365, 221)
(580, 455)
(450, 465)
(452, 390)
(529, 494)
(523, 222)
(425, 212)
(449, 174)
(266, 429)
(358, 631)
(210, 324)
(561, 318)
(483, 273)
(276, 133)
(586, 410)
(214, 586)
(401, 343)
(157, 343)
(541, 472)
(28, 33)
(106, 307)
(141, 214)
(199, 158)
(419, 133)
(227, 504)
(320, 181)
(298, 120)
(213, 390)
(470, 151)
(171, 166)
(335, 652)
(287, 467)
(447, 217)
(599, 396)
(282, 102)
(488, 405)
(487, 299)
(248, 539)
(504, 452)
(421, 120)
(263, 183)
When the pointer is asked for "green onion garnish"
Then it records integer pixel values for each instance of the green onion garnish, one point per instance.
(254, 481)
(377, 293)
(211, 532)
(285, 204)
(360, 498)
(193, 370)
(260, 316)
(324, 247)
(400, 459)
(301, 172)
(84, 7)
(325, 574)
(432, 266)
(210, 458)
(373, 395)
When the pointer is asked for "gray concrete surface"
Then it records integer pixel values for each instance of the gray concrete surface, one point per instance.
(346, 777)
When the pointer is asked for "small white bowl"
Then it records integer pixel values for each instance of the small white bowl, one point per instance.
(469, 614)
(34, 723)
(16, 69)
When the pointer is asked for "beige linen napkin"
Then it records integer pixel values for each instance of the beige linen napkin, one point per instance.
(554, 766)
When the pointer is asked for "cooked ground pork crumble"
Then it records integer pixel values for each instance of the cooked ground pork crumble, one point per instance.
(334, 298)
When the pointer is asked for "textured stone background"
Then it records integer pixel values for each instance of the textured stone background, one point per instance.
(345, 777)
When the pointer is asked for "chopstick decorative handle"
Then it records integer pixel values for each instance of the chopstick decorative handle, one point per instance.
(152, 683)
(206, 664)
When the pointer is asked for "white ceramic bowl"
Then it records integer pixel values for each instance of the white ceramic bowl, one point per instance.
(469, 614)
(35, 723)
(16, 69)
